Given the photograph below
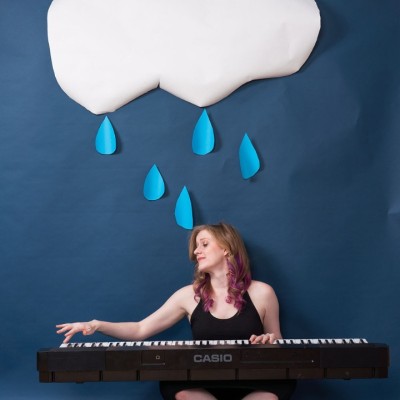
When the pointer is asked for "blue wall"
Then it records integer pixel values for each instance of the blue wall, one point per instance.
(321, 219)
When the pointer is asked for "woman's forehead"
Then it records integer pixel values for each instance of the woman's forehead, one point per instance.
(204, 234)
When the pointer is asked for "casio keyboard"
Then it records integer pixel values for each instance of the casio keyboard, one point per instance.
(213, 360)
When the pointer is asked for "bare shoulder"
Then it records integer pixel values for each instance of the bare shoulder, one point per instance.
(261, 290)
(185, 291)
(182, 294)
(184, 298)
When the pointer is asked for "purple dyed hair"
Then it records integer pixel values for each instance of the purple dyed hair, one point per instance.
(239, 276)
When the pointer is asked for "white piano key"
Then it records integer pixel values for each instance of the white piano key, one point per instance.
(314, 341)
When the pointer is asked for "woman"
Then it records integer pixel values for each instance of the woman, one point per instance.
(222, 303)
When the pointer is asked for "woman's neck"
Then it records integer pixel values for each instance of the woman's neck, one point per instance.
(219, 281)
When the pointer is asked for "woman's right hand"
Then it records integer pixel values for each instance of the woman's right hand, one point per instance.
(69, 329)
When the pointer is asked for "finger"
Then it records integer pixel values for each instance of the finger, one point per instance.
(253, 339)
(258, 339)
(264, 338)
(268, 338)
(64, 329)
(67, 338)
(272, 338)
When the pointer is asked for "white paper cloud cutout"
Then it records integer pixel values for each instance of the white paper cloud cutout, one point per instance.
(106, 53)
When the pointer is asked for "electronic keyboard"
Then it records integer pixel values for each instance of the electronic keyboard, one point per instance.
(196, 360)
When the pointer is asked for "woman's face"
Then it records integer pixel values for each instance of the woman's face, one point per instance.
(209, 254)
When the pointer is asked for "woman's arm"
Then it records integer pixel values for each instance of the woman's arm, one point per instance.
(174, 309)
(267, 305)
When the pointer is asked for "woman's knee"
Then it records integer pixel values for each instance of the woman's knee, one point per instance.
(261, 396)
(194, 394)
(182, 395)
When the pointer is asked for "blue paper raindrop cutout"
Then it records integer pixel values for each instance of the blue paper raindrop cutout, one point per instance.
(183, 210)
(203, 135)
(249, 161)
(106, 142)
(154, 186)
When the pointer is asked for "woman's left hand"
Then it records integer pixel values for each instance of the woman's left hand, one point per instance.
(263, 339)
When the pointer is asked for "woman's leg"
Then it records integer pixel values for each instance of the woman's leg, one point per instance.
(194, 394)
(261, 396)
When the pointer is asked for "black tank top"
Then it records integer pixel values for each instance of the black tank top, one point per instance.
(241, 326)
